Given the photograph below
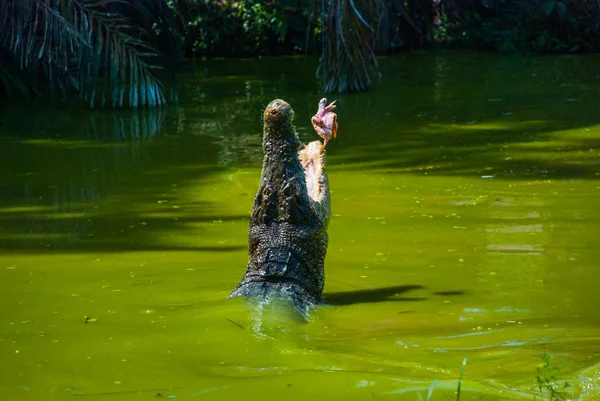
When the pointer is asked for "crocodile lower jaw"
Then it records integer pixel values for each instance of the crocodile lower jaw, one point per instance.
(311, 158)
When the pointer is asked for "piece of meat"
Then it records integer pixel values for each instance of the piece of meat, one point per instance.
(325, 121)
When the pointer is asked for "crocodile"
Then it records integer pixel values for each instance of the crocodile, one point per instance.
(287, 234)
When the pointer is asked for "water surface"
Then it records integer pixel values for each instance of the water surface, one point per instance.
(465, 225)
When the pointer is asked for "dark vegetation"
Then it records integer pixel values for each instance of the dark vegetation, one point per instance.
(120, 53)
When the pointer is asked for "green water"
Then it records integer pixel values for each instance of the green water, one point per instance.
(465, 194)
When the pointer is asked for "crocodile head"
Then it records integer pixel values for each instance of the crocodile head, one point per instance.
(293, 186)
(287, 237)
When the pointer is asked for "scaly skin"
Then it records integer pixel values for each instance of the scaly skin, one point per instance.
(287, 236)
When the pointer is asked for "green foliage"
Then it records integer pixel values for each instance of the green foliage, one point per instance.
(110, 52)
(538, 26)
(84, 46)
(247, 27)
(258, 21)
(253, 27)
(547, 383)
(440, 28)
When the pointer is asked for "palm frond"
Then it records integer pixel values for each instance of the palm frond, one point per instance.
(81, 45)
(349, 51)
(12, 83)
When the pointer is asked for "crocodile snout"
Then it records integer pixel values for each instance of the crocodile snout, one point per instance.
(278, 111)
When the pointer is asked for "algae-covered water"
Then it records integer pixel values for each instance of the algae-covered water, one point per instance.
(465, 197)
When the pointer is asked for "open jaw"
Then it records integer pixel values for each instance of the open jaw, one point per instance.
(294, 186)
(312, 160)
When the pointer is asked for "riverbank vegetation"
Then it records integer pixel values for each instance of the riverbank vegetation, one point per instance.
(115, 53)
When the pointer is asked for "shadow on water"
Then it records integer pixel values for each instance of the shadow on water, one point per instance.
(385, 294)
(104, 181)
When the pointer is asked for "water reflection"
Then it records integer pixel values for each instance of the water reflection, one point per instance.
(60, 169)
(58, 164)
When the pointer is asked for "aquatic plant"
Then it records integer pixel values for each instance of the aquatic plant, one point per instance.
(547, 383)
(429, 392)
(89, 47)
(458, 389)
(460, 380)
